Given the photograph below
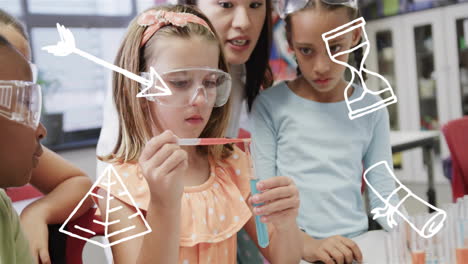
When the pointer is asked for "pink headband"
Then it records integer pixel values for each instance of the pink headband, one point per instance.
(155, 20)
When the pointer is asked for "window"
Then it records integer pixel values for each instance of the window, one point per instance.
(13, 7)
(81, 7)
(73, 85)
(74, 88)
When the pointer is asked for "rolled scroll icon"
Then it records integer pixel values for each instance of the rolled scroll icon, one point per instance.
(427, 229)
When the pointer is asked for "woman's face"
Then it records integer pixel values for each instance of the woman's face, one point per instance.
(238, 24)
(20, 149)
(177, 53)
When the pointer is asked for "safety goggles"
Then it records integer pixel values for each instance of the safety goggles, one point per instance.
(286, 7)
(188, 84)
(348, 28)
(21, 101)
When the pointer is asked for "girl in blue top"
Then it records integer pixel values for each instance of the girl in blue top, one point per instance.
(301, 129)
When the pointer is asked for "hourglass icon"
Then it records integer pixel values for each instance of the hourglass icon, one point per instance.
(361, 105)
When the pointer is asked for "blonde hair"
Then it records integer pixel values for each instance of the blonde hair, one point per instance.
(134, 130)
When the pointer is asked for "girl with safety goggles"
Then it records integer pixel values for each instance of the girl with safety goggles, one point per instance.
(195, 198)
(301, 129)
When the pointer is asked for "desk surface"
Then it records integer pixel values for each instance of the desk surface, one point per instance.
(403, 140)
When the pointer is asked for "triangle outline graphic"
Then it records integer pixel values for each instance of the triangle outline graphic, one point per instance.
(163, 91)
(108, 174)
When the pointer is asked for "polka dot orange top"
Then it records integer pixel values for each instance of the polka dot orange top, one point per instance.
(212, 213)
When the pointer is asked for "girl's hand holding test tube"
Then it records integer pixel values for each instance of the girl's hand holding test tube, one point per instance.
(280, 199)
(279, 196)
(276, 199)
(164, 163)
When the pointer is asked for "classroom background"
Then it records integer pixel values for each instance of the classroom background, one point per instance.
(419, 46)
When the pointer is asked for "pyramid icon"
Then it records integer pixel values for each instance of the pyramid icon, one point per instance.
(112, 181)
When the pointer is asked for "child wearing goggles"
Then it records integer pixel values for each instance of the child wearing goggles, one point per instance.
(20, 104)
(301, 129)
(195, 198)
(20, 148)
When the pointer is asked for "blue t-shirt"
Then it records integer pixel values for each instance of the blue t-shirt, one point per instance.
(326, 154)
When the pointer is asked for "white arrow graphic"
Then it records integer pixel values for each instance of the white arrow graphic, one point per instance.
(66, 46)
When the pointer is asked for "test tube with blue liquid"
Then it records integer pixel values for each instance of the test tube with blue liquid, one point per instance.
(262, 230)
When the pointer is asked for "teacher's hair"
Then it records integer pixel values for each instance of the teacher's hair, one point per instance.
(259, 74)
